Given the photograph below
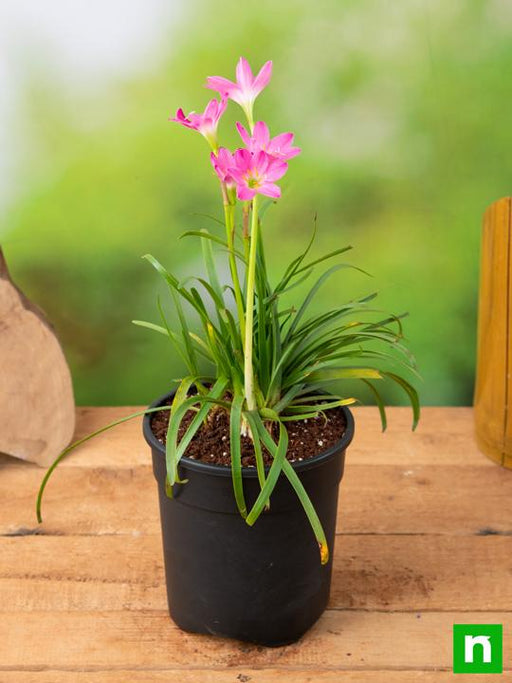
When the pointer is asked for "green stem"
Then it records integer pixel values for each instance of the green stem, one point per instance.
(249, 321)
(250, 118)
(245, 229)
(229, 214)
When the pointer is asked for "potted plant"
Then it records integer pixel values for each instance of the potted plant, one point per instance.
(248, 450)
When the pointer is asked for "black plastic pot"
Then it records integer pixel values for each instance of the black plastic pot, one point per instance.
(263, 584)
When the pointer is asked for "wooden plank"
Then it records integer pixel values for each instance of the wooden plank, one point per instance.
(444, 437)
(413, 499)
(425, 500)
(443, 573)
(341, 640)
(243, 675)
(493, 393)
(58, 573)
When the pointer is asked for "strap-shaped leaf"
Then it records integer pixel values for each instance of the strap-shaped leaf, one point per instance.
(380, 403)
(235, 424)
(312, 293)
(211, 268)
(309, 509)
(174, 451)
(75, 444)
(305, 500)
(214, 238)
(412, 394)
(329, 374)
(260, 466)
(321, 406)
(278, 452)
(179, 398)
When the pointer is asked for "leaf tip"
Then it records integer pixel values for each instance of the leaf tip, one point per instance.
(324, 552)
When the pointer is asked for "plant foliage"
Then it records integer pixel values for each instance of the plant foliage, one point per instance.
(248, 352)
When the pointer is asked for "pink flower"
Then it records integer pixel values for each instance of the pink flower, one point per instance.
(222, 163)
(279, 147)
(206, 123)
(246, 88)
(256, 174)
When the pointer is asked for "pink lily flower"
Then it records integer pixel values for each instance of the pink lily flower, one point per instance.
(222, 163)
(279, 147)
(256, 174)
(205, 123)
(246, 88)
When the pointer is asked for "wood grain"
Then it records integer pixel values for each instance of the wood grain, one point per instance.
(388, 573)
(424, 541)
(341, 640)
(237, 674)
(373, 499)
(443, 437)
(493, 391)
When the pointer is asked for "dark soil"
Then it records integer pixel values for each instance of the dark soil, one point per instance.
(307, 438)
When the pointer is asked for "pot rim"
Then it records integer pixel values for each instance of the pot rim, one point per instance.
(224, 470)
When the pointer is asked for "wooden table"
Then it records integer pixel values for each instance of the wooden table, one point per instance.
(425, 541)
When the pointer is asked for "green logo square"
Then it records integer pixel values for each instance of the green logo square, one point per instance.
(477, 648)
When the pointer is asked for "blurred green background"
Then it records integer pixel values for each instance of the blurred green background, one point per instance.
(400, 110)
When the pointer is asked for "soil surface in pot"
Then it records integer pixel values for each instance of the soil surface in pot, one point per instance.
(307, 438)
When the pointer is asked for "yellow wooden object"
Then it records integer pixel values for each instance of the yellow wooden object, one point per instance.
(493, 391)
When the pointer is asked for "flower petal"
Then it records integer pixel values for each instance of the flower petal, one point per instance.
(282, 140)
(244, 75)
(270, 190)
(225, 157)
(221, 108)
(244, 193)
(263, 78)
(261, 135)
(276, 170)
(292, 152)
(261, 161)
(246, 138)
(211, 109)
(243, 160)
(221, 85)
(180, 116)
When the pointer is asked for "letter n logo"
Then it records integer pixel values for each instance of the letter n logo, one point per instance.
(478, 648)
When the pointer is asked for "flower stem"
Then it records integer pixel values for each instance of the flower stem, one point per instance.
(229, 215)
(249, 320)
(250, 118)
(245, 228)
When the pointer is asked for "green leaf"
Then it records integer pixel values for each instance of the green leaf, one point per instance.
(179, 398)
(380, 404)
(260, 466)
(212, 398)
(81, 441)
(329, 374)
(210, 266)
(278, 452)
(294, 265)
(214, 238)
(294, 480)
(330, 255)
(319, 406)
(309, 509)
(174, 452)
(312, 292)
(151, 326)
(235, 424)
(411, 392)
